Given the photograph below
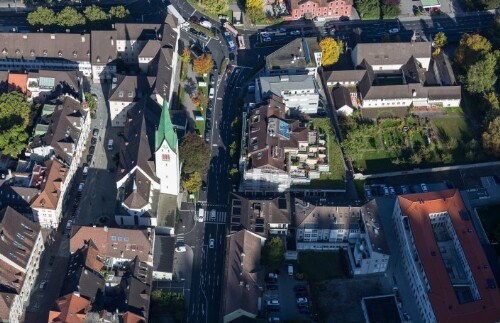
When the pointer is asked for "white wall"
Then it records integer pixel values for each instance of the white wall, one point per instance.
(118, 112)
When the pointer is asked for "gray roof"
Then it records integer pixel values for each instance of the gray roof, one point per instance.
(72, 47)
(390, 53)
(164, 249)
(302, 49)
(167, 207)
(344, 76)
(162, 68)
(371, 218)
(19, 237)
(130, 88)
(255, 215)
(444, 92)
(137, 31)
(342, 97)
(17, 197)
(325, 217)
(137, 148)
(244, 275)
(103, 46)
(150, 49)
(413, 71)
(276, 85)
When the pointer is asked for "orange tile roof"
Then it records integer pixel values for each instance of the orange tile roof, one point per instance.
(51, 189)
(18, 82)
(130, 317)
(70, 308)
(445, 304)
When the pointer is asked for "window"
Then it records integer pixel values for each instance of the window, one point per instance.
(165, 157)
(113, 238)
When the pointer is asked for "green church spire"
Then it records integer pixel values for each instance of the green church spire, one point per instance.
(166, 129)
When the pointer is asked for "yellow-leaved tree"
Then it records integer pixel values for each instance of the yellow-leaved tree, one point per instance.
(330, 49)
(203, 64)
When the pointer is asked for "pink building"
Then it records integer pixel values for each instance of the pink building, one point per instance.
(311, 9)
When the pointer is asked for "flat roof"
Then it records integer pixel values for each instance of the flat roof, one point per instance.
(381, 309)
(430, 3)
(446, 306)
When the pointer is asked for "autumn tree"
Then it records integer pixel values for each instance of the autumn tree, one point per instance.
(273, 253)
(42, 17)
(203, 64)
(215, 6)
(255, 10)
(186, 55)
(491, 138)
(471, 49)
(481, 75)
(440, 40)
(69, 17)
(193, 182)
(196, 100)
(119, 12)
(330, 49)
(94, 13)
(194, 153)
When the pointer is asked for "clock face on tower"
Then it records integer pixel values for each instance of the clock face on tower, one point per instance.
(165, 157)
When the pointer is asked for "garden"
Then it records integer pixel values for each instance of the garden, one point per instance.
(390, 144)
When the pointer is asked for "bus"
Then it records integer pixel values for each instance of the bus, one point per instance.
(241, 42)
(231, 29)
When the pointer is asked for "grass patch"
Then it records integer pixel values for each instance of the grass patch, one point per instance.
(335, 158)
(333, 265)
(453, 111)
(453, 128)
(202, 29)
(200, 126)
(360, 186)
(203, 10)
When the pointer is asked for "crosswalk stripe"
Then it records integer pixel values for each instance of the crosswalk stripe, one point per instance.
(220, 216)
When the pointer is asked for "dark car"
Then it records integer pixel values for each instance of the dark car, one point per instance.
(89, 158)
(209, 113)
(91, 150)
(194, 19)
(272, 287)
(95, 132)
(93, 141)
(193, 31)
(207, 136)
(208, 125)
(300, 288)
(203, 186)
(344, 18)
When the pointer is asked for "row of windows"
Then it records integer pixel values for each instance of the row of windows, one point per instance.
(337, 13)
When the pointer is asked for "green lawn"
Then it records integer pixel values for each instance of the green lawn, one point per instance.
(202, 9)
(452, 127)
(319, 266)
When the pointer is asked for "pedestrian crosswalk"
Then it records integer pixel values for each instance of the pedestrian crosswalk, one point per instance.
(215, 216)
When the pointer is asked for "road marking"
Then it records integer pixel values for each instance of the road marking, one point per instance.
(219, 98)
(214, 145)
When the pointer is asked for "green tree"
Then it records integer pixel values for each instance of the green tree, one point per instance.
(119, 12)
(390, 11)
(203, 64)
(233, 149)
(14, 110)
(42, 17)
(186, 55)
(234, 172)
(368, 9)
(471, 49)
(481, 75)
(13, 141)
(492, 100)
(69, 17)
(194, 153)
(89, 98)
(215, 6)
(330, 49)
(163, 303)
(491, 138)
(193, 182)
(94, 13)
(254, 10)
(273, 255)
(416, 159)
(440, 40)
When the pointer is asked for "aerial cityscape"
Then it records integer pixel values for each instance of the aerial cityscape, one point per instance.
(217, 161)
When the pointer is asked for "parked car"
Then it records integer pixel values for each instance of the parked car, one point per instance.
(304, 310)
(194, 19)
(202, 36)
(344, 18)
(295, 32)
(80, 187)
(392, 191)
(69, 224)
(404, 189)
(193, 31)
(89, 158)
(211, 243)
(95, 132)
(393, 30)
(43, 284)
(386, 191)
(110, 144)
(91, 150)
(302, 300)
(273, 302)
(203, 186)
(212, 79)
(266, 39)
(424, 188)
(93, 141)
(229, 69)
(85, 169)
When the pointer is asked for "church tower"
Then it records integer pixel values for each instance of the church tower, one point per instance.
(167, 154)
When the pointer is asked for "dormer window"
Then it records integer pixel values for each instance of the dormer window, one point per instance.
(109, 59)
(88, 53)
(75, 53)
(98, 59)
(5, 52)
(130, 94)
(18, 51)
(120, 94)
(32, 52)
(59, 53)
(45, 52)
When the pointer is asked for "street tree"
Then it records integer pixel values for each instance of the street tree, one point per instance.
(186, 55)
(491, 138)
(215, 6)
(69, 17)
(193, 182)
(440, 40)
(94, 13)
(273, 253)
(390, 10)
(254, 9)
(194, 154)
(91, 101)
(203, 64)
(471, 49)
(330, 49)
(13, 141)
(42, 17)
(119, 12)
(481, 75)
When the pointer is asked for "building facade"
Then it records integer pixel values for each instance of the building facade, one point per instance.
(311, 9)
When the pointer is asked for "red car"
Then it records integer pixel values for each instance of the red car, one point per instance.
(194, 19)
(229, 69)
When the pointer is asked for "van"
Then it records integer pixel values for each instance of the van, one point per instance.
(201, 215)
(290, 270)
(110, 144)
(211, 93)
(318, 18)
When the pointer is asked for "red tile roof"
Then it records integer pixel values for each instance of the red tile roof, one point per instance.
(130, 317)
(18, 82)
(51, 189)
(445, 304)
(70, 308)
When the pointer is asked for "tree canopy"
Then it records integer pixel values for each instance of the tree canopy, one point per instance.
(69, 17)
(193, 182)
(440, 39)
(186, 55)
(194, 154)
(203, 64)
(273, 253)
(42, 17)
(491, 138)
(390, 10)
(215, 6)
(254, 9)
(471, 49)
(119, 12)
(368, 9)
(163, 303)
(15, 116)
(94, 13)
(481, 75)
(330, 49)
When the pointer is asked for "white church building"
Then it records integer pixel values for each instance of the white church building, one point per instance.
(148, 164)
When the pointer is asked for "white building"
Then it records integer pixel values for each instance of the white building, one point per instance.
(21, 247)
(299, 92)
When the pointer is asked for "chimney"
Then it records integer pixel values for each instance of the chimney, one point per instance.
(83, 38)
(105, 229)
(25, 36)
(414, 92)
(52, 36)
(112, 41)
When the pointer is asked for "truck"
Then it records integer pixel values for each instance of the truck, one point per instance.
(241, 42)
(230, 41)
(231, 29)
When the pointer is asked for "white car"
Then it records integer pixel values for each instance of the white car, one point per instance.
(273, 302)
(80, 187)
(211, 243)
(394, 31)
(69, 224)
(295, 32)
(424, 188)
(302, 300)
(213, 215)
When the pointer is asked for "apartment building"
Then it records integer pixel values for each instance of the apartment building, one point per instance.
(46, 85)
(447, 268)
(47, 207)
(396, 75)
(300, 93)
(103, 54)
(264, 217)
(21, 246)
(311, 9)
(300, 56)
